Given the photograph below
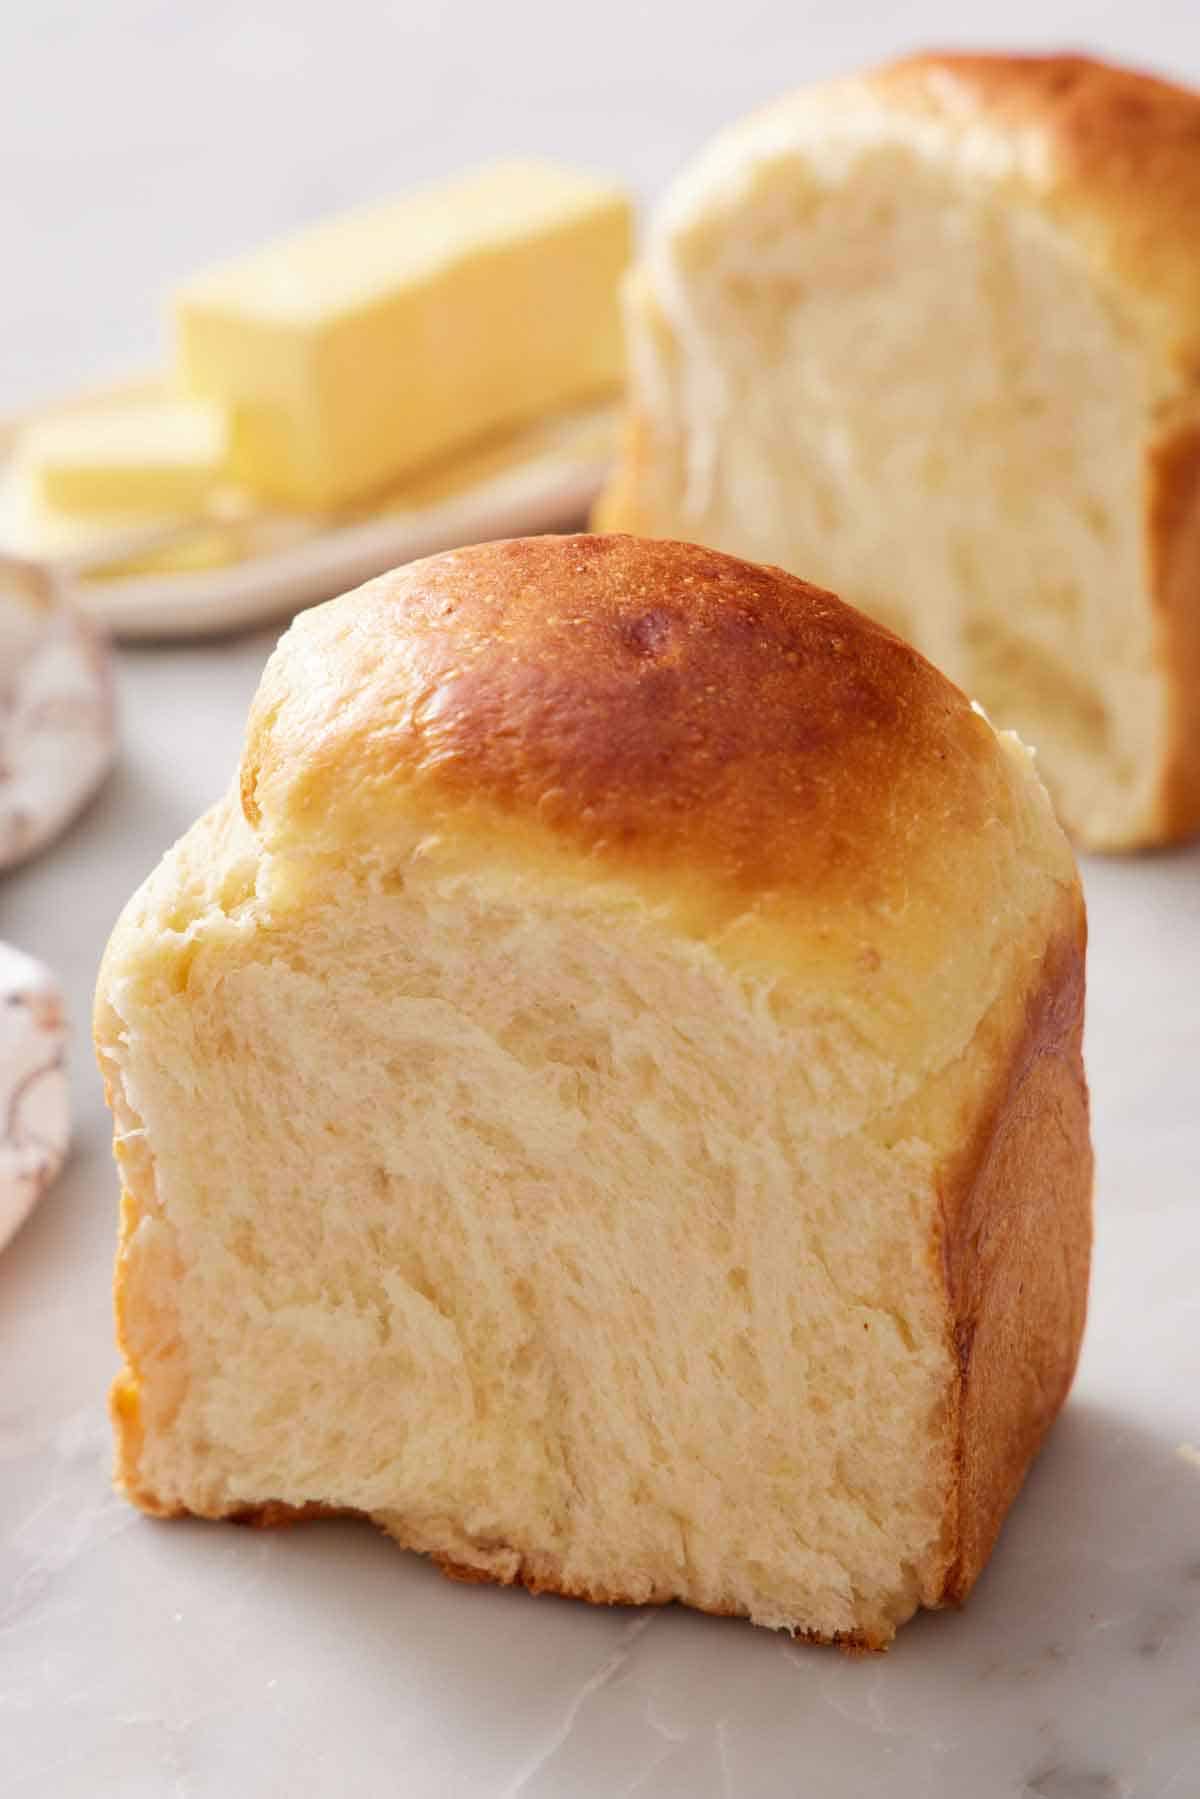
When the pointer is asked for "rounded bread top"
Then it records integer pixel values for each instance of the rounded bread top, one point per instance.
(738, 747)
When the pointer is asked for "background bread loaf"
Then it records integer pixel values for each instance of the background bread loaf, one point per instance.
(932, 336)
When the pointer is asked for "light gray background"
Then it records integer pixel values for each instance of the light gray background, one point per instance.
(138, 141)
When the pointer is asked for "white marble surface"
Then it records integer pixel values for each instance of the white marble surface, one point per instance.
(202, 1662)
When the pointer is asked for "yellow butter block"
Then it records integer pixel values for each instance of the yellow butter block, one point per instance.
(170, 542)
(141, 458)
(366, 346)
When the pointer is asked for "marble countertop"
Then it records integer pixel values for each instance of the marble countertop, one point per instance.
(202, 1662)
(196, 1660)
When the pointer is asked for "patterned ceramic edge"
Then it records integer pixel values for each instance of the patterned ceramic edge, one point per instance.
(34, 1103)
(57, 714)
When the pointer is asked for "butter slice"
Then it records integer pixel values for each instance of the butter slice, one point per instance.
(101, 542)
(364, 347)
(128, 461)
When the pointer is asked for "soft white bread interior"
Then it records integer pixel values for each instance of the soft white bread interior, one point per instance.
(602, 1096)
(932, 337)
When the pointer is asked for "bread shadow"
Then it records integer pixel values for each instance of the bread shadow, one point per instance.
(1104, 1536)
(1106, 1492)
(352, 1666)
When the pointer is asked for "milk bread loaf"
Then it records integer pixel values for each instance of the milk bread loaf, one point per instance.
(601, 1096)
(931, 336)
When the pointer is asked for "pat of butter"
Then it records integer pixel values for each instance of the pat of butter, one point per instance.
(41, 533)
(126, 461)
(364, 347)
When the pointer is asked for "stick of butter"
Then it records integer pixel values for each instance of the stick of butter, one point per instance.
(137, 458)
(368, 345)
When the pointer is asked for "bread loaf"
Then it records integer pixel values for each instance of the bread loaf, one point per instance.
(932, 337)
(601, 1095)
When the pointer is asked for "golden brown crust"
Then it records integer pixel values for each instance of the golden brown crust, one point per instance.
(660, 708)
(1123, 169)
(275, 1514)
(1173, 564)
(1017, 1237)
